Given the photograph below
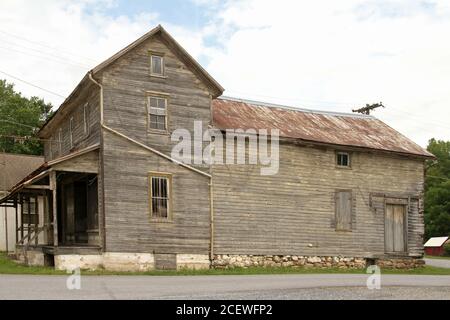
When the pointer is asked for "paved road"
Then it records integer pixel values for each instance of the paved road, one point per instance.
(442, 263)
(327, 286)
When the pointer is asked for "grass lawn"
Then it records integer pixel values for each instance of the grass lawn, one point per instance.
(8, 266)
(437, 257)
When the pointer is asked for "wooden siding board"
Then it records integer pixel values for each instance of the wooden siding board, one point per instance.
(285, 213)
(128, 224)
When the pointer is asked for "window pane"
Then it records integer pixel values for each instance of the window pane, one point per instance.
(161, 122)
(343, 159)
(161, 103)
(153, 102)
(156, 65)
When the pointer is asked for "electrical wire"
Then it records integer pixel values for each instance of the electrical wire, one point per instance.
(33, 85)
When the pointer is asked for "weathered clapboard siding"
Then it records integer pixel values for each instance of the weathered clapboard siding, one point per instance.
(128, 224)
(288, 212)
(56, 148)
(88, 163)
(127, 81)
(126, 165)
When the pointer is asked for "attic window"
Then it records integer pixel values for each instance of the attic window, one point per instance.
(156, 64)
(343, 159)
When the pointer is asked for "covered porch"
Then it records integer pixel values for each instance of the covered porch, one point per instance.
(57, 209)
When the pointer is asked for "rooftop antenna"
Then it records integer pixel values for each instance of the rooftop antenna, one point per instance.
(368, 108)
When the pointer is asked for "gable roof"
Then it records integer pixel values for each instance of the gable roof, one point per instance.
(435, 242)
(341, 129)
(175, 46)
(183, 55)
(15, 167)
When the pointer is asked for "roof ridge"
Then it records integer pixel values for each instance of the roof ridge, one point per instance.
(292, 108)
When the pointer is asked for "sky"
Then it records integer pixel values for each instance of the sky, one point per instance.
(324, 55)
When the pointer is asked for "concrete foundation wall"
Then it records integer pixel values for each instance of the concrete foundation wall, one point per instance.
(136, 262)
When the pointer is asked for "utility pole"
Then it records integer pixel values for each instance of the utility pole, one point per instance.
(368, 108)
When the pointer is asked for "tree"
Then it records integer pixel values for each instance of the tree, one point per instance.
(20, 119)
(437, 190)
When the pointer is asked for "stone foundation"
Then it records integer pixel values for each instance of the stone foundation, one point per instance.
(245, 261)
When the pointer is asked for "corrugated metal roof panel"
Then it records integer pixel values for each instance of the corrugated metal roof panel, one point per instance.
(317, 126)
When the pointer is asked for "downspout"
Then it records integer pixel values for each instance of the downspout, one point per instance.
(211, 201)
(211, 218)
(101, 96)
(101, 160)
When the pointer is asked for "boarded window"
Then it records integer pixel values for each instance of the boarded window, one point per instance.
(343, 159)
(344, 210)
(156, 65)
(157, 113)
(160, 196)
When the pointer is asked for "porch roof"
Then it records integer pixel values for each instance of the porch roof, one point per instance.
(43, 170)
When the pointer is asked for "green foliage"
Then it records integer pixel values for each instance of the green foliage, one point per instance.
(447, 249)
(20, 117)
(437, 190)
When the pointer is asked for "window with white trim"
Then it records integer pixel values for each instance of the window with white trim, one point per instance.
(86, 119)
(160, 193)
(71, 130)
(156, 65)
(157, 109)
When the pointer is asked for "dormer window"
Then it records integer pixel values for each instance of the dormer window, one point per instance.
(156, 64)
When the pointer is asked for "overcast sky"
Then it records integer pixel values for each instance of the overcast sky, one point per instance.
(327, 55)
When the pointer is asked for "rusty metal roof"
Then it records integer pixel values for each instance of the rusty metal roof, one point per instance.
(15, 167)
(342, 129)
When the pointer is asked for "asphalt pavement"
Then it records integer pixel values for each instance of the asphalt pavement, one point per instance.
(320, 286)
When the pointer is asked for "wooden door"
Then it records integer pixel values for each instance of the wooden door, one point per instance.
(395, 228)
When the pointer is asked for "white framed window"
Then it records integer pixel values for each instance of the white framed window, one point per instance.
(86, 118)
(343, 159)
(71, 130)
(60, 140)
(160, 190)
(157, 64)
(157, 113)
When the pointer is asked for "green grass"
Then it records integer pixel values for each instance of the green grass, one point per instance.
(8, 266)
(437, 257)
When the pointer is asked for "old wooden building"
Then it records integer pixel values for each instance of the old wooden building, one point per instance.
(348, 189)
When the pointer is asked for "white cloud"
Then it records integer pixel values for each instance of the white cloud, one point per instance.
(332, 55)
(339, 55)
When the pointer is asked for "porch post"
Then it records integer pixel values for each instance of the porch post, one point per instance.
(53, 187)
(17, 219)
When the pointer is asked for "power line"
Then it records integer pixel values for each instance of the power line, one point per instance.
(17, 123)
(27, 138)
(63, 59)
(67, 51)
(43, 57)
(33, 85)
